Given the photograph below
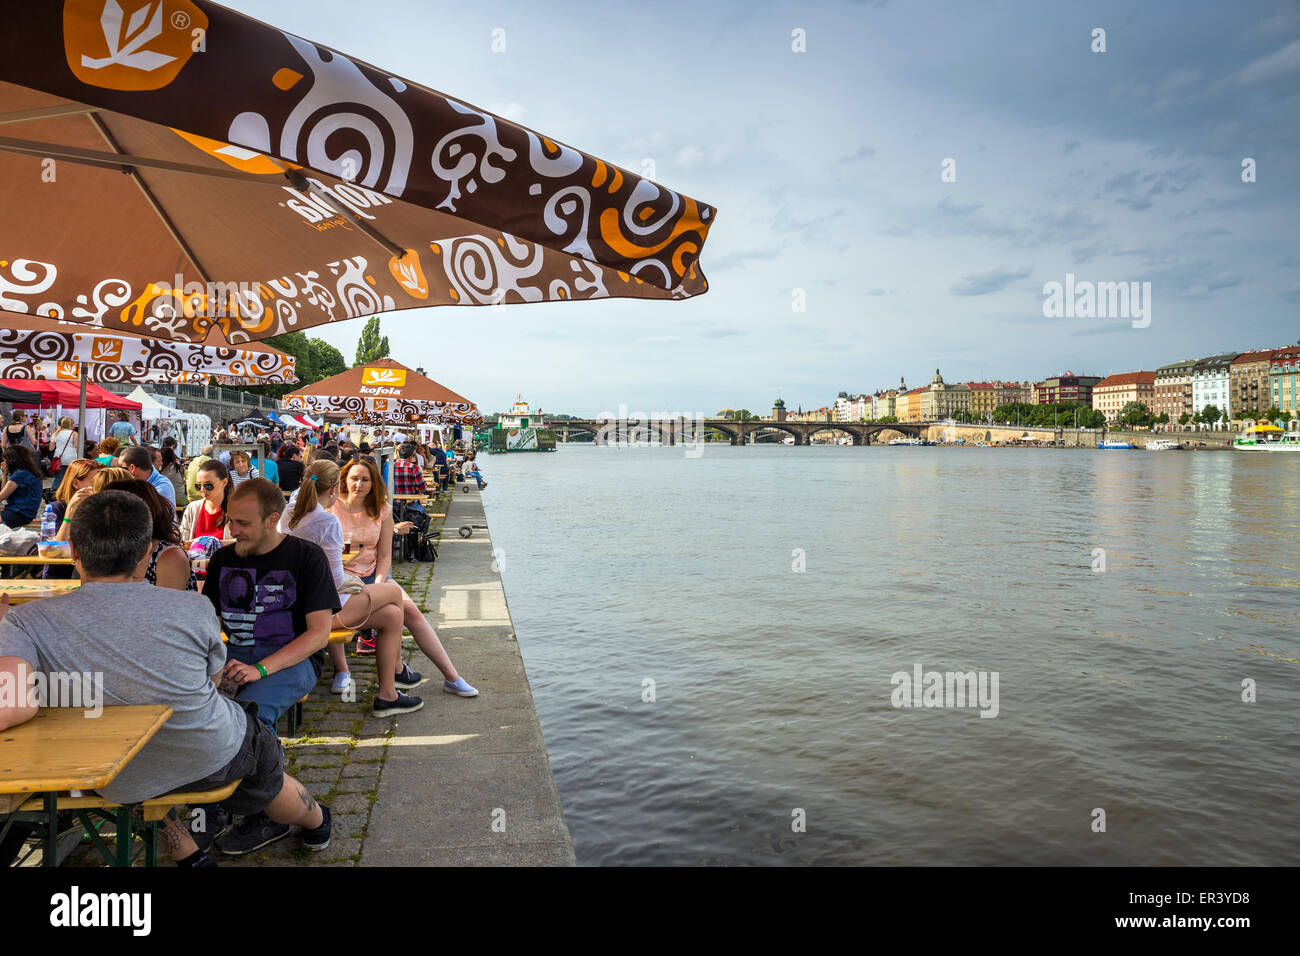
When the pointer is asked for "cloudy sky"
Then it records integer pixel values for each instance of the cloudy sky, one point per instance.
(826, 168)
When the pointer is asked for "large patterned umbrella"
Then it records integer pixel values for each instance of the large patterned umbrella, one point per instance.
(385, 392)
(45, 349)
(36, 348)
(273, 184)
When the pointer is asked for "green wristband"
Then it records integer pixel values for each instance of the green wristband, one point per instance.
(67, 521)
(260, 669)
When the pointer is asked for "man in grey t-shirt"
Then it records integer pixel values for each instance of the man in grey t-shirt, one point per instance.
(169, 653)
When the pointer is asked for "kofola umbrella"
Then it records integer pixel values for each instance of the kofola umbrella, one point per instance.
(384, 391)
(272, 184)
(45, 349)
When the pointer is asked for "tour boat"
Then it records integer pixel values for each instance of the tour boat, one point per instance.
(1267, 437)
(906, 441)
(521, 430)
(1113, 444)
(1163, 444)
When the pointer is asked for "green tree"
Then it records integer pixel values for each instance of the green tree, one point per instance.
(1273, 413)
(1134, 414)
(1184, 418)
(371, 346)
(1209, 415)
(326, 359)
(297, 344)
(1161, 419)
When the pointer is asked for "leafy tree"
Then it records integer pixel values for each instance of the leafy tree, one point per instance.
(1184, 418)
(371, 346)
(1273, 413)
(1134, 413)
(1209, 415)
(1161, 419)
(328, 360)
(297, 344)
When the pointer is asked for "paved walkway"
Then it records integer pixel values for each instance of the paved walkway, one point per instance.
(461, 782)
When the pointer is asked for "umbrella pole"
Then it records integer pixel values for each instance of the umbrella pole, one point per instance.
(81, 415)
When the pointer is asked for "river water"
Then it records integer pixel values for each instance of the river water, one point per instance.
(712, 644)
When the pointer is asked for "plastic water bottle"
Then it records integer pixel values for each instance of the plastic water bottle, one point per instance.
(49, 523)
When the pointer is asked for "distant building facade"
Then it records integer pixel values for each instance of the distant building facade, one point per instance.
(1173, 389)
(1249, 382)
(1210, 383)
(1113, 392)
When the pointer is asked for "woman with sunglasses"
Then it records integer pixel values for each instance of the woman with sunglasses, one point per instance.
(208, 514)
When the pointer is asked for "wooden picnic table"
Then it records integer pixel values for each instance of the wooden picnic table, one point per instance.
(20, 592)
(65, 748)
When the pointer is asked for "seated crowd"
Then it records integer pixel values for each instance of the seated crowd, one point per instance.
(233, 650)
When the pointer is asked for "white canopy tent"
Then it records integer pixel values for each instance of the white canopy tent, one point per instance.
(152, 407)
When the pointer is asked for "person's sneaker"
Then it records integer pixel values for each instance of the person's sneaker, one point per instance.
(459, 687)
(252, 833)
(342, 683)
(206, 822)
(319, 838)
(407, 678)
(404, 704)
(365, 642)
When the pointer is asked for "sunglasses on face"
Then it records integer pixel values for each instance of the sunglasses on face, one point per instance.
(207, 486)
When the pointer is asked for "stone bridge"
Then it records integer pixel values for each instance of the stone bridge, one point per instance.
(672, 431)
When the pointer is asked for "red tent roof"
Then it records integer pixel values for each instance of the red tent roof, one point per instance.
(68, 394)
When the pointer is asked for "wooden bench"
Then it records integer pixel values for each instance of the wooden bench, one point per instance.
(85, 809)
(293, 716)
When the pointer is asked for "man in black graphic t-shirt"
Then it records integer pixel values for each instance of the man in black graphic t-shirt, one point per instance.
(275, 596)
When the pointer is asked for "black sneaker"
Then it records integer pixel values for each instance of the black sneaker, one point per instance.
(206, 822)
(319, 838)
(403, 705)
(407, 678)
(252, 833)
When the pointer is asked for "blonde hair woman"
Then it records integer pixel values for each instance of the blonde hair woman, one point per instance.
(363, 511)
(76, 488)
(375, 606)
(63, 445)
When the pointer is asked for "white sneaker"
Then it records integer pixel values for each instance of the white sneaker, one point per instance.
(342, 683)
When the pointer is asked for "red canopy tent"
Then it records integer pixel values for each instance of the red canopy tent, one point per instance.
(54, 393)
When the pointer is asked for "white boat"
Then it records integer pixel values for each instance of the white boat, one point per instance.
(1267, 437)
(906, 441)
(1162, 444)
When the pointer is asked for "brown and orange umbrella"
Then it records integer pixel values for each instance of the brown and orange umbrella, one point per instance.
(38, 349)
(170, 165)
(385, 392)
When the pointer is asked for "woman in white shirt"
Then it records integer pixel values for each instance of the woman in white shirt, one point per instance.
(377, 606)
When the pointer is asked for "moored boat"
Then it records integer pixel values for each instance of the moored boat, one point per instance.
(1113, 445)
(1163, 444)
(1266, 436)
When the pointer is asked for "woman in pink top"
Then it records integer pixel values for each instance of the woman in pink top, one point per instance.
(367, 523)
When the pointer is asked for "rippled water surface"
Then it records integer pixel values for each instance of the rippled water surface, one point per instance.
(1118, 689)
